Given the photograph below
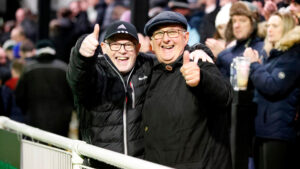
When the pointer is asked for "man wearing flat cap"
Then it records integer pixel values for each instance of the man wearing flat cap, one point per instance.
(184, 118)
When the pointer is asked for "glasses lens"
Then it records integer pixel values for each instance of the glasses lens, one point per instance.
(173, 33)
(158, 35)
(129, 47)
(115, 46)
(170, 33)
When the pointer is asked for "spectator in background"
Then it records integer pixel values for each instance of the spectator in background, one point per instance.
(182, 127)
(111, 4)
(79, 18)
(5, 35)
(83, 5)
(118, 12)
(8, 105)
(14, 111)
(182, 6)
(269, 8)
(62, 34)
(27, 50)
(219, 42)
(126, 16)
(43, 93)
(4, 66)
(96, 11)
(25, 19)
(242, 26)
(108, 16)
(207, 25)
(8, 48)
(16, 71)
(276, 80)
(156, 7)
(18, 35)
(295, 8)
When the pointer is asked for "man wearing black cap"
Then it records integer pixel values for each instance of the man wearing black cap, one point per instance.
(109, 89)
(184, 117)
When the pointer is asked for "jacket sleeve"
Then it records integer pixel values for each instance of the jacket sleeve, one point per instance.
(213, 85)
(82, 74)
(278, 82)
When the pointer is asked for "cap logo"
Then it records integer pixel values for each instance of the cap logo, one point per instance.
(122, 31)
(121, 27)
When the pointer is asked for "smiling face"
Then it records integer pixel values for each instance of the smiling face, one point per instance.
(242, 27)
(166, 48)
(125, 57)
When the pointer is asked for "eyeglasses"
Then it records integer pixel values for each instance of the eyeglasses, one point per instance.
(171, 34)
(117, 46)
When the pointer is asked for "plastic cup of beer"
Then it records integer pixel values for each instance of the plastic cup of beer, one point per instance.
(243, 67)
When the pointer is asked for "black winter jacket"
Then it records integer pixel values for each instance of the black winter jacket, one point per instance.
(187, 127)
(109, 104)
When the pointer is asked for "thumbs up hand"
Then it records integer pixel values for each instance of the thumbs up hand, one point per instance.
(190, 71)
(90, 43)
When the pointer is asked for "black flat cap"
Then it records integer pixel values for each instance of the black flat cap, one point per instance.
(166, 17)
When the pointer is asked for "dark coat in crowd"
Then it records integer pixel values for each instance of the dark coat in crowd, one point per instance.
(184, 126)
(64, 38)
(109, 104)
(207, 27)
(44, 95)
(226, 57)
(277, 84)
(8, 106)
(5, 72)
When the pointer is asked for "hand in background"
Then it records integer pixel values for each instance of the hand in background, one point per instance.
(216, 46)
(252, 55)
(200, 54)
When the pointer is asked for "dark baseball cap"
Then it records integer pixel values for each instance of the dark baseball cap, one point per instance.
(166, 17)
(121, 27)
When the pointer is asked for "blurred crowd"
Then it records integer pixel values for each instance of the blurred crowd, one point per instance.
(33, 88)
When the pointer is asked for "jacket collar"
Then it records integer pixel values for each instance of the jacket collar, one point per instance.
(169, 67)
(289, 39)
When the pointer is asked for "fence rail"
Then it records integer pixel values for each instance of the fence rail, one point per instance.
(79, 147)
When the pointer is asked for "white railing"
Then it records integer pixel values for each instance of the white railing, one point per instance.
(79, 147)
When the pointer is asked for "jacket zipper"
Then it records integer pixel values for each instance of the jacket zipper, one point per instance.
(125, 105)
(133, 95)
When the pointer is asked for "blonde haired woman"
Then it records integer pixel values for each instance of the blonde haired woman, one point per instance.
(277, 81)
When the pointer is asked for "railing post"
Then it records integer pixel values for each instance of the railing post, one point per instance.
(76, 160)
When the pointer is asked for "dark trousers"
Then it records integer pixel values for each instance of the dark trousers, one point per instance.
(274, 154)
(243, 111)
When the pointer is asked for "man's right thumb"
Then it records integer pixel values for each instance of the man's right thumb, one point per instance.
(96, 31)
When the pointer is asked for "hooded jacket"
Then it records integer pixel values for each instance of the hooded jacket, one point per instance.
(277, 83)
(109, 104)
